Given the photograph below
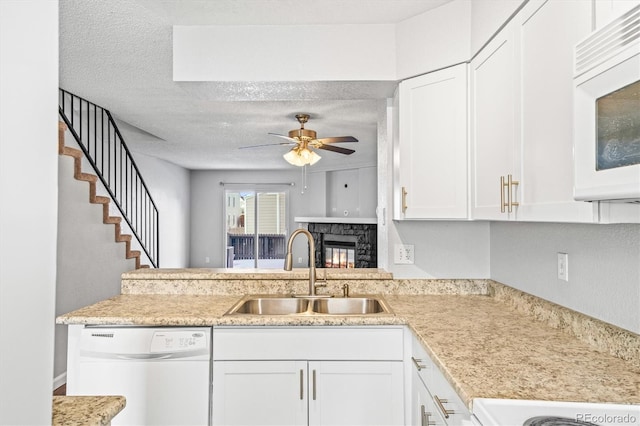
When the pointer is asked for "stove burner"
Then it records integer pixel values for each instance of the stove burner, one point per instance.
(555, 421)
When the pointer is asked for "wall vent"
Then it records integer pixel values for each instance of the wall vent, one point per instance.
(608, 41)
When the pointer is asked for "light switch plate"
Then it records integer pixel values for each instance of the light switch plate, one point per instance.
(563, 266)
(403, 254)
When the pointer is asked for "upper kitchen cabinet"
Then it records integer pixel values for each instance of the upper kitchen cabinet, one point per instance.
(548, 32)
(432, 146)
(494, 128)
(522, 112)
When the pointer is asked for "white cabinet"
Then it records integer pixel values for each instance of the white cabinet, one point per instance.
(432, 146)
(548, 32)
(308, 375)
(494, 128)
(307, 392)
(521, 117)
(355, 393)
(259, 393)
(434, 401)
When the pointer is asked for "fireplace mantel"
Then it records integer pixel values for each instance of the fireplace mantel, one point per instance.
(336, 219)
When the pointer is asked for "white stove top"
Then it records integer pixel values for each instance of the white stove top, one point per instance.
(513, 412)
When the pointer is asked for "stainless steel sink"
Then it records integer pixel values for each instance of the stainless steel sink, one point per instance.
(289, 305)
(271, 306)
(350, 306)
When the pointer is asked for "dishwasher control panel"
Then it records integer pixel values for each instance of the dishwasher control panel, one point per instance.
(177, 341)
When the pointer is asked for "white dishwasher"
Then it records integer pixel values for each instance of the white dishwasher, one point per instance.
(163, 372)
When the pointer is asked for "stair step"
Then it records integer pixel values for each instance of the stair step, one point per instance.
(99, 199)
(112, 220)
(87, 177)
(77, 155)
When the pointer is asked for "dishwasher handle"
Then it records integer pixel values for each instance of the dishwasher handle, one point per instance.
(138, 356)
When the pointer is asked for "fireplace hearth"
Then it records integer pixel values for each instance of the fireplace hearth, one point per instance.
(345, 245)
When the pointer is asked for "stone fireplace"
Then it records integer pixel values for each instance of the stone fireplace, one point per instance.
(345, 245)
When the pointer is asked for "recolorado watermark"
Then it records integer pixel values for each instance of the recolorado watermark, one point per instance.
(604, 418)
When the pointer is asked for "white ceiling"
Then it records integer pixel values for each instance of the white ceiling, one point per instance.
(118, 54)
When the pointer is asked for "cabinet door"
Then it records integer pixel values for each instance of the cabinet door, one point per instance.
(494, 126)
(547, 33)
(259, 393)
(356, 393)
(433, 145)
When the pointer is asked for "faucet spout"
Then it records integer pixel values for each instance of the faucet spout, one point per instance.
(288, 263)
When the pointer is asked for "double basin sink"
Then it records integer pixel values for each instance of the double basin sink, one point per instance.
(300, 305)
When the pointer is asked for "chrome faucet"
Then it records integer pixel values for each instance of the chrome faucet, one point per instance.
(288, 262)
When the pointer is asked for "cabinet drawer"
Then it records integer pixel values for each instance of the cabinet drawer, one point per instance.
(327, 343)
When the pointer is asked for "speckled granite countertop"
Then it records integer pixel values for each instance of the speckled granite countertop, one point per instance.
(485, 348)
(85, 410)
(253, 274)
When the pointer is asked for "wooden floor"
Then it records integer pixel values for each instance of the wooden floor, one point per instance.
(62, 390)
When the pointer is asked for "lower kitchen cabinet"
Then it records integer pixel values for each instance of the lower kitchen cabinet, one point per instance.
(434, 402)
(356, 393)
(423, 412)
(308, 376)
(259, 393)
(307, 392)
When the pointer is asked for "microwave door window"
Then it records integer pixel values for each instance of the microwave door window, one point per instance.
(618, 133)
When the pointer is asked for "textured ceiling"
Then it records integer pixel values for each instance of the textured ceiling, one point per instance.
(118, 54)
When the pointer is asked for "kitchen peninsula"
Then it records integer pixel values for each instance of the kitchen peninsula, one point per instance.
(477, 332)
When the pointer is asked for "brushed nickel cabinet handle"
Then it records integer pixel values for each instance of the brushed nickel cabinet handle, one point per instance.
(417, 362)
(502, 185)
(510, 184)
(424, 417)
(314, 385)
(440, 403)
(301, 384)
(404, 199)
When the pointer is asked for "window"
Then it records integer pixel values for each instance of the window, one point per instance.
(256, 228)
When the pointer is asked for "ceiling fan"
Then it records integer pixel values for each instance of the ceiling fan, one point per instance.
(304, 140)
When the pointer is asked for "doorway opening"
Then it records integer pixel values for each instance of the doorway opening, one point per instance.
(256, 228)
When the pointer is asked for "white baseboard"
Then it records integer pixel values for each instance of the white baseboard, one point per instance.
(60, 380)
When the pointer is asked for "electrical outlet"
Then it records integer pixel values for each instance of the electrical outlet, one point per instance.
(563, 266)
(207, 259)
(299, 260)
(403, 254)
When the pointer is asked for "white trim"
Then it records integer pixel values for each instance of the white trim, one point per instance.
(337, 219)
(59, 380)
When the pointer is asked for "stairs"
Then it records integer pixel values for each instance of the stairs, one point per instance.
(107, 219)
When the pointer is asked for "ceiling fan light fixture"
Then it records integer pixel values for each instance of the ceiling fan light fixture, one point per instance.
(313, 158)
(300, 157)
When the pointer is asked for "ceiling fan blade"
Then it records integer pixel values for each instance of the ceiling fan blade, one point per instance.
(338, 139)
(284, 137)
(337, 149)
(266, 144)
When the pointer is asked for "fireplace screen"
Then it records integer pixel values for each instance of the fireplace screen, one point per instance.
(338, 256)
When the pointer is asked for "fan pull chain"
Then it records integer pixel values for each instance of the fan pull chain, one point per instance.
(304, 179)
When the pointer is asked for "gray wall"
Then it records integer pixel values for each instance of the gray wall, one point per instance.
(604, 266)
(89, 261)
(169, 188)
(443, 249)
(28, 184)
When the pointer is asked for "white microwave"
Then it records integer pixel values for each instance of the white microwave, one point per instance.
(607, 112)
